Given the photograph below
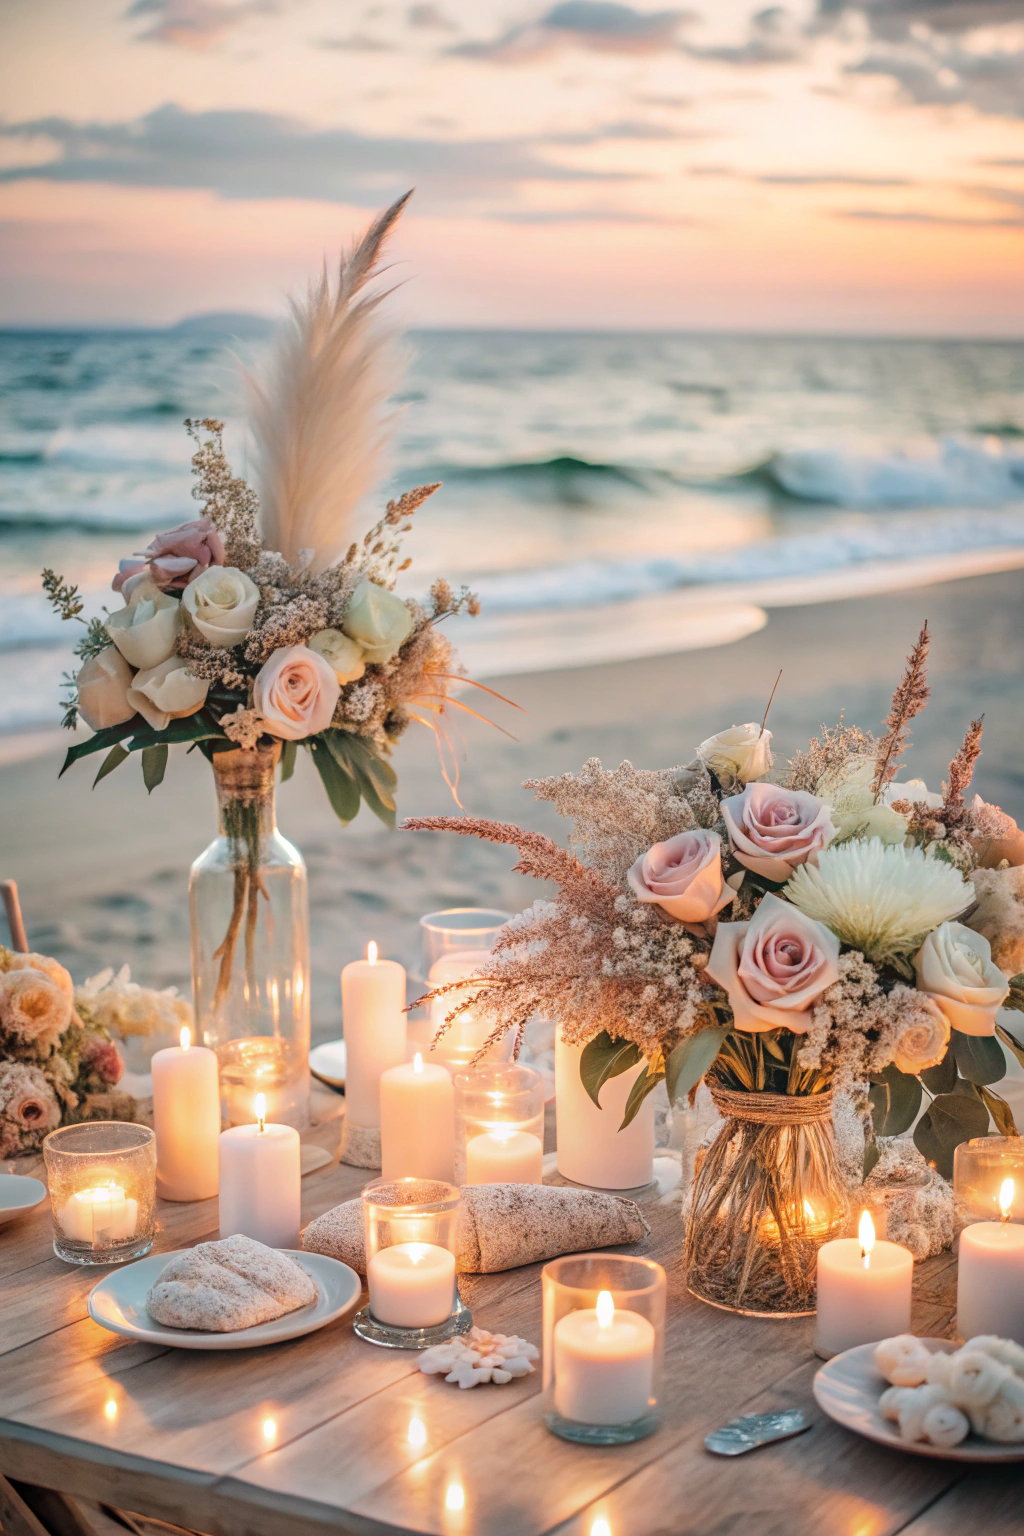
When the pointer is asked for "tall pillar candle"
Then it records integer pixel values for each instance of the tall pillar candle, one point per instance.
(186, 1121)
(864, 1291)
(417, 1122)
(261, 1182)
(591, 1148)
(373, 1014)
(990, 1278)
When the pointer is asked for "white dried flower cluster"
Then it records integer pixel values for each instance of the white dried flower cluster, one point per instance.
(480, 1357)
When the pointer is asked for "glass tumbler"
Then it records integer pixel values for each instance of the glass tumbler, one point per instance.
(980, 1168)
(102, 1179)
(499, 1125)
(410, 1264)
(456, 943)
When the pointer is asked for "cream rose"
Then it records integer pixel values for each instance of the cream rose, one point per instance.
(52, 968)
(343, 655)
(145, 629)
(923, 1043)
(683, 876)
(35, 1010)
(103, 685)
(738, 755)
(775, 967)
(954, 966)
(772, 830)
(295, 693)
(850, 793)
(167, 692)
(378, 620)
(221, 602)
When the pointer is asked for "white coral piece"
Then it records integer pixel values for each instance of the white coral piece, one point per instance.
(480, 1357)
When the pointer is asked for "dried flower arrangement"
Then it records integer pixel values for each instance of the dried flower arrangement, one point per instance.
(783, 936)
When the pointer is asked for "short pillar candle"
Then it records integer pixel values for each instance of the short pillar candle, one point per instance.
(417, 1122)
(990, 1277)
(261, 1182)
(186, 1120)
(864, 1291)
(373, 1015)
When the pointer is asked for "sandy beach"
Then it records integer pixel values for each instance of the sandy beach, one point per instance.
(103, 873)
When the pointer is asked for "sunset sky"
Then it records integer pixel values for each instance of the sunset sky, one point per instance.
(581, 164)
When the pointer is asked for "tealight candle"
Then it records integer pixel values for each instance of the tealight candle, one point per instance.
(186, 1119)
(604, 1364)
(261, 1181)
(373, 1011)
(864, 1291)
(99, 1216)
(504, 1156)
(990, 1283)
(417, 1122)
(411, 1285)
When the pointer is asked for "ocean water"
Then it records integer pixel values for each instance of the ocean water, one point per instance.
(586, 477)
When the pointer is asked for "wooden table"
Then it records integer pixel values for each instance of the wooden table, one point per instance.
(326, 1432)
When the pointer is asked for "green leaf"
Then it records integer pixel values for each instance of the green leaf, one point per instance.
(114, 758)
(1011, 1042)
(941, 1079)
(1002, 1114)
(154, 765)
(979, 1058)
(376, 778)
(198, 727)
(871, 1156)
(646, 1082)
(342, 791)
(287, 761)
(950, 1119)
(690, 1059)
(603, 1058)
(1015, 997)
(100, 741)
(895, 1101)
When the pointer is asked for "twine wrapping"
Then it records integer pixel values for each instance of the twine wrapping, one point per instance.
(772, 1108)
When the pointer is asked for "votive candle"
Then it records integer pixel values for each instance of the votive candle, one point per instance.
(411, 1285)
(504, 1155)
(864, 1291)
(990, 1280)
(604, 1364)
(100, 1216)
(186, 1120)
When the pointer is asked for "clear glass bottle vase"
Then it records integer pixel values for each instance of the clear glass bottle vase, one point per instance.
(249, 914)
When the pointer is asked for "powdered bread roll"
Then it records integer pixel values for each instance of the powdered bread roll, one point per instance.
(229, 1285)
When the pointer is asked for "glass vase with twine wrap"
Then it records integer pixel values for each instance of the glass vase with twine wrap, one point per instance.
(768, 1191)
(249, 913)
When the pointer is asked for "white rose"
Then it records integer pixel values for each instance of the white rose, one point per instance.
(345, 656)
(923, 1043)
(221, 603)
(378, 619)
(145, 630)
(738, 755)
(850, 793)
(103, 685)
(954, 966)
(166, 692)
(914, 790)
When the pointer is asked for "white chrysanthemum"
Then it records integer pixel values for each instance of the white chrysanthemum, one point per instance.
(880, 899)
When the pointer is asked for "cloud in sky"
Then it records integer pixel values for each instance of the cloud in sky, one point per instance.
(774, 36)
(600, 25)
(196, 23)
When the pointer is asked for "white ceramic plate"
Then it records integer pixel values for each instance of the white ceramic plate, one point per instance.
(119, 1303)
(328, 1061)
(19, 1194)
(848, 1387)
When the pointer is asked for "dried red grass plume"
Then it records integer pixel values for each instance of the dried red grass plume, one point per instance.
(961, 771)
(540, 856)
(911, 696)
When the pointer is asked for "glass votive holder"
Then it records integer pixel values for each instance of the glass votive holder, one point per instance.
(456, 943)
(410, 1264)
(499, 1125)
(981, 1166)
(604, 1334)
(102, 1179)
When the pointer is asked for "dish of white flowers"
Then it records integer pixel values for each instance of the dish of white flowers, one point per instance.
(931, 1397)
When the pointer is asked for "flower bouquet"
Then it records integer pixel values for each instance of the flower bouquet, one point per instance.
(781, 934)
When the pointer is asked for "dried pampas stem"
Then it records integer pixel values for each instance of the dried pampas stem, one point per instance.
(319, 414)
(961, 771)
(911, 696)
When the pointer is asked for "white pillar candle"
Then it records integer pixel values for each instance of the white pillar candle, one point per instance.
(604, 1364)
(412, 1285)
(504, 1155)
(990, 1283)
(417, 1122)
(99, 1216)
(261, 1182)
(591, 1148)
(186, 1120)
(864, 1291)
(373, 1013)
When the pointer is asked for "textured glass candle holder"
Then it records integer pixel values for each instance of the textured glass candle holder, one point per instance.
(980, 1167)
(604, 1338)
(410, 1264)
(455, 944)
(499, 1125)
(102, 1179)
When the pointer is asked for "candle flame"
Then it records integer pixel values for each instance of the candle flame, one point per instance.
(417, 1062)
(371, 952)
(185, 1037)
(1006, 1198)
(866, 1236)
(261, 1110)
(605, 1309)
(416, 1251)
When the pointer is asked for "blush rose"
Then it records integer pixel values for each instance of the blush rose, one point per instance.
(172, 559)
(683, 876)
(772, 830)
(775, 967)
(295, 693)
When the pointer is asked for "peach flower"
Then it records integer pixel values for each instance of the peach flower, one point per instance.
(683, 876)
(775, 967)
(295, 693)
(772, 830)
(35, 1010)
(173, 559)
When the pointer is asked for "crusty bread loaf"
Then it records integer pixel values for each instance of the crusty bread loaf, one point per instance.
(225, 1286)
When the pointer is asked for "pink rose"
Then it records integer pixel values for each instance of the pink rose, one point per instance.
(772, 830)
(295, 692)
(775, 967)
(102, 1058)
(683, 876)
(173, 559)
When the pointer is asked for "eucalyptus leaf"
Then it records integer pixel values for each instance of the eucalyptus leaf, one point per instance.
(114, 758)
(100, 741)
(1002, 1114)
(646, 1082)
(604, 1058)
(342, 791)
(950, 1119)
(871, 1156)
(690, 1059)
(979, 1058)
(941, 1079)
(1011, 1042)
(288, 752)
(198, 727)
(1015, 997)
(895, 1100)
(154, 765)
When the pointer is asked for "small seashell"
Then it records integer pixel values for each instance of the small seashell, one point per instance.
(500, 1376)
